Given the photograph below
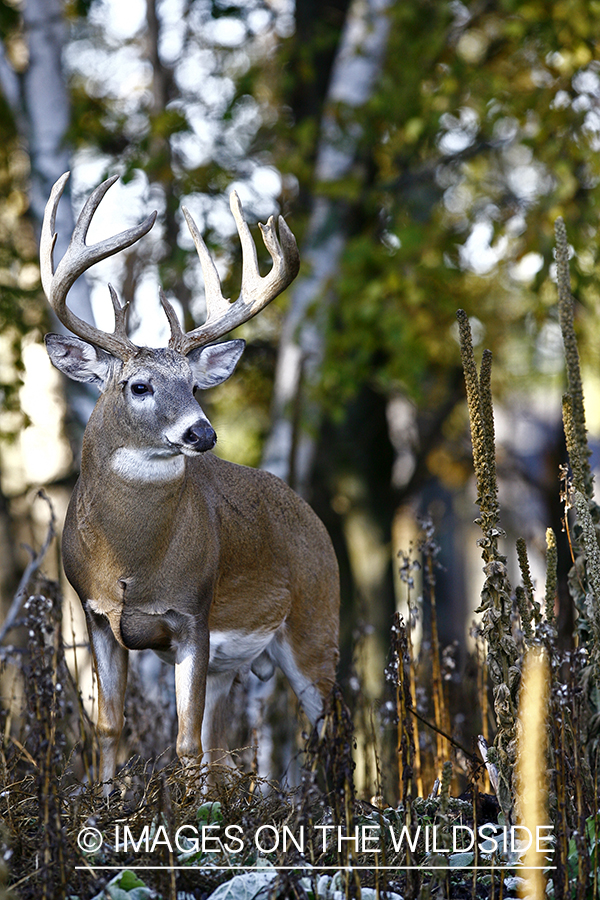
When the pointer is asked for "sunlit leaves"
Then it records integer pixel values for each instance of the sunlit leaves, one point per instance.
(483, 129)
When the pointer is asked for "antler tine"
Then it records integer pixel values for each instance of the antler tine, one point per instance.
(286, 260)
(79, 257)
(256, 292)
(177, 335)
(216, 303)
(120, 310)
(48, 235)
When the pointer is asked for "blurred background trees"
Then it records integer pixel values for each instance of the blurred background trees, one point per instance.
(421, 151)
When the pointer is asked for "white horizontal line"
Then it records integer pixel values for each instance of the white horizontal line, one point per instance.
(309, 867)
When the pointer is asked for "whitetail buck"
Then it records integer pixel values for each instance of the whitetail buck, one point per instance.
(217, 567)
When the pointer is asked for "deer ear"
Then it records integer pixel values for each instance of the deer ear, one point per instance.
(215, 363)
(79, 360)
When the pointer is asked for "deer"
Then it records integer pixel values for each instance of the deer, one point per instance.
(218, 568)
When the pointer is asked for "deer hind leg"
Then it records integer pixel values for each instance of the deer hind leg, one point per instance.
(216, 719)
(110, 664)
(311, 693)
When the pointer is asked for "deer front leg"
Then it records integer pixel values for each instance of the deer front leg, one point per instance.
(110, 664)
(191, 668)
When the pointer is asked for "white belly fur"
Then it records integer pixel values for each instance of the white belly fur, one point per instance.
(230, 650)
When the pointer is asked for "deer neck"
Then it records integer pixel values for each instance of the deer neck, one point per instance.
(137, 525)
(129, 480)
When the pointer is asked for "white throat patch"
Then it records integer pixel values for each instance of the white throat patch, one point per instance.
(144, 465)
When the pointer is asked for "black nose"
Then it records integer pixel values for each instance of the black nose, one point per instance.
(200, 436)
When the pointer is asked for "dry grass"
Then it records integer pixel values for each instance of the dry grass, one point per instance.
(45, 804)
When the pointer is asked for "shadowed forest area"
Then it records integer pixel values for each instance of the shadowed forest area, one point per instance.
(430, 157)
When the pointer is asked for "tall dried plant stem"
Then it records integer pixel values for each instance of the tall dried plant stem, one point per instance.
(429, 550)
(584, 577)
(406, 743)
(483, 693)
(533, 611)
(439, 703)
(412, 677)
(551, 575)
(496, 603)
(592, 557)
(567, 325)
(402, 715)
(577, 453)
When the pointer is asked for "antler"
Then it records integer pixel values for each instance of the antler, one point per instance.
(222, 315)
(79, 257)
(256, 292)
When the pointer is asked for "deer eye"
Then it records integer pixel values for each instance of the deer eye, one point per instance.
(139, 388)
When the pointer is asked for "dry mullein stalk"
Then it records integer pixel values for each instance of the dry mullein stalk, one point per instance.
(592, 557)
(487, 419)
(577, 578)
(565, 312)
(496, 603)
(473, 396)
(551, 575)
(584, 577)
(577, 453)
(482, 424)
(534, 611)
(524, 612)
(481, 418)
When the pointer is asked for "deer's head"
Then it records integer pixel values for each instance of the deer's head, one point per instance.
(151, 392)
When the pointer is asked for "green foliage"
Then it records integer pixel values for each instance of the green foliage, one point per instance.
(479, 120)
(479, 123)
(96, 123)
(9, 19)
(592, 843)
(125, 886)
(209, 814)
(21, 308)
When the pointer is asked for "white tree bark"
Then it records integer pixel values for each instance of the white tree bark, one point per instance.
(47, 116)
(290, 448)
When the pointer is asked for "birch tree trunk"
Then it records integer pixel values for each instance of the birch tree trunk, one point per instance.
(290, 447)
(46, 117)
(37, 96)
